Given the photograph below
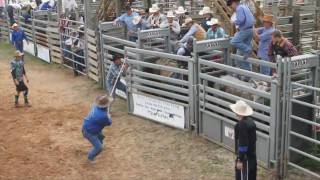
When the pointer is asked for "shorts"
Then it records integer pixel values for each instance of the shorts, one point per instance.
(21, 87)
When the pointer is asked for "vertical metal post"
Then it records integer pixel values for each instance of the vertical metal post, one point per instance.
(296, 27)
(34, 34)
(195, 75)
(86, 25)
(273, 124)
(101, 63)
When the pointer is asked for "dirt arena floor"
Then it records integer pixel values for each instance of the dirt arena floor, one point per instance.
(44, 142)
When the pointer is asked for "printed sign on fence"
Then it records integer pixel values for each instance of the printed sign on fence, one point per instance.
(229, 132)
(43, 53)
(158, 110)
(29, 48)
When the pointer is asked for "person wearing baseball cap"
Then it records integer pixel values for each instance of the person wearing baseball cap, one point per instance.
(242, 40)
(245, 141)
(264, 36)
(19, 77)
(17, 37)
(94, 123)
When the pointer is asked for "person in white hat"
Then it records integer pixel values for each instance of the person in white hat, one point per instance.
(139, 23)
(207, 15)
(17, 37)
(215, 31)
(156, 18)
(195, 30)
(245, 141)
(19, 77)
(173, 25)
(181, 14)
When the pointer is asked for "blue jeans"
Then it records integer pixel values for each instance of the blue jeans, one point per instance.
(242, 41)
(265, 69)
(96, 140)
(120, 86)
(19, 45)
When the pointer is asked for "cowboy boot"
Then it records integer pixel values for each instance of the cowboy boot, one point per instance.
(26, 101)
(16, 100)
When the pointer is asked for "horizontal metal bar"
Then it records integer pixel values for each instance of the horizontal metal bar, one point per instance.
(254, 61)
(118, 40)
(238, 86)
(304, 120)
(236, 70)
(83, 65)
(305, 104)
(304, 169)
(304, 153)
(157, 66)
(159, 77)
(305, 137)
(77, 22)
(305, 86)
(161, 92)
(159, 54)
(65, 65)
(304, 81)
(117, 50)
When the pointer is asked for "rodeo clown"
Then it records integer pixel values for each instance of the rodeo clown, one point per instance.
(19, 76)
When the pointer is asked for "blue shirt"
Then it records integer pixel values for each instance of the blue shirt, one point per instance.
(219, 33)
(96, 120)
(125, 18)
(245, 19)
(113, 73)
(18, 36)
(265, 36)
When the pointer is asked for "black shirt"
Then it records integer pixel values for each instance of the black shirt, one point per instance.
(245, 138)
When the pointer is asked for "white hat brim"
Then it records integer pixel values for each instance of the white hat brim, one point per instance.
(248, 112)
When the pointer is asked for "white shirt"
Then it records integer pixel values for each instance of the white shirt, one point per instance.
(70, 4)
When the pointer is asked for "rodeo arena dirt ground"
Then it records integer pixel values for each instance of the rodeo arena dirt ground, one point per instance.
(45, 141)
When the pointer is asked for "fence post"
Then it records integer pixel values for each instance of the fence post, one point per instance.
(34, 35)
(296, 27)
(101, 58)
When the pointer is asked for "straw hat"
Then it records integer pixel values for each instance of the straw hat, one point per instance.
(33, 5)
(14, 25)
(180, 10)
(241, 108)
(154, 8)
(18, 54)
(136, 20)
(268, 18)
(205, 10)
(187, 21)
(170, 14)
(102, 101)
(213, 21)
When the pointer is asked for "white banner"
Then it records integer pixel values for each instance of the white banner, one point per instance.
(158, 110)
(229, 132)
(29, 48)
(43, 53)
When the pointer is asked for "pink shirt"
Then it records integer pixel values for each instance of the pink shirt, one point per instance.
(2, 3)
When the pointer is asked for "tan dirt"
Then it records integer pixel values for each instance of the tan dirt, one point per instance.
(44, 142)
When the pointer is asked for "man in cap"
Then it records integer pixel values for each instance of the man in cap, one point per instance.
(195, 30)
(215, 31)
(94, 123)
(156, 18)
(127, 19)
(114, 74)
(173, 25)
(17, 37)
(19, 76)
(242, 40)
(245, 142)
(207, 15)
(264, 35)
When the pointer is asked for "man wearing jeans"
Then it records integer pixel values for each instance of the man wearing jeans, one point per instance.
(242, 39)
(93, 124)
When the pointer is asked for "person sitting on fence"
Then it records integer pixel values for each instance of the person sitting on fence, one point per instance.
(215, 31)
(207, 15)
(70, 7)
(181, 15)
(27, 14)
(78, 49)
(17, 37)
(47, 5)
(242, 40)
(127, 19)
(195, 30)
(245, 142)
(185, 50)
(117, 69)
(11, 8)
(156, 18)
(19, 76)
(280, 46)
(94, 123)
(140, 24)
(264, 35)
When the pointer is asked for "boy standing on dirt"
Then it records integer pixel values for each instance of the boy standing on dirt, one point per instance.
(94, 123)
(18, 73)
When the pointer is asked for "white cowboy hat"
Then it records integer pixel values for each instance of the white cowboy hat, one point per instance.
(187, 21)
(241, 108)
(136, 20)
(180, 10)
(205, 10)
(154, 8)
(213, 21)
(102, 101)
(18, 54)
(33, 5)
(170, 14)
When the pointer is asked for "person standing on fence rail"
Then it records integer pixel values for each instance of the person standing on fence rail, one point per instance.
(94, 123)
(19, 76)
(195, 30)
(245, 142)
(127, 18)
(264, 35)
(242, 40)
(17, 37)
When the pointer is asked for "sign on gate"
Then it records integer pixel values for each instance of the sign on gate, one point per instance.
(304, 61)
(43, 53)
(207, 45)
(159, 110)
(29, 47)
